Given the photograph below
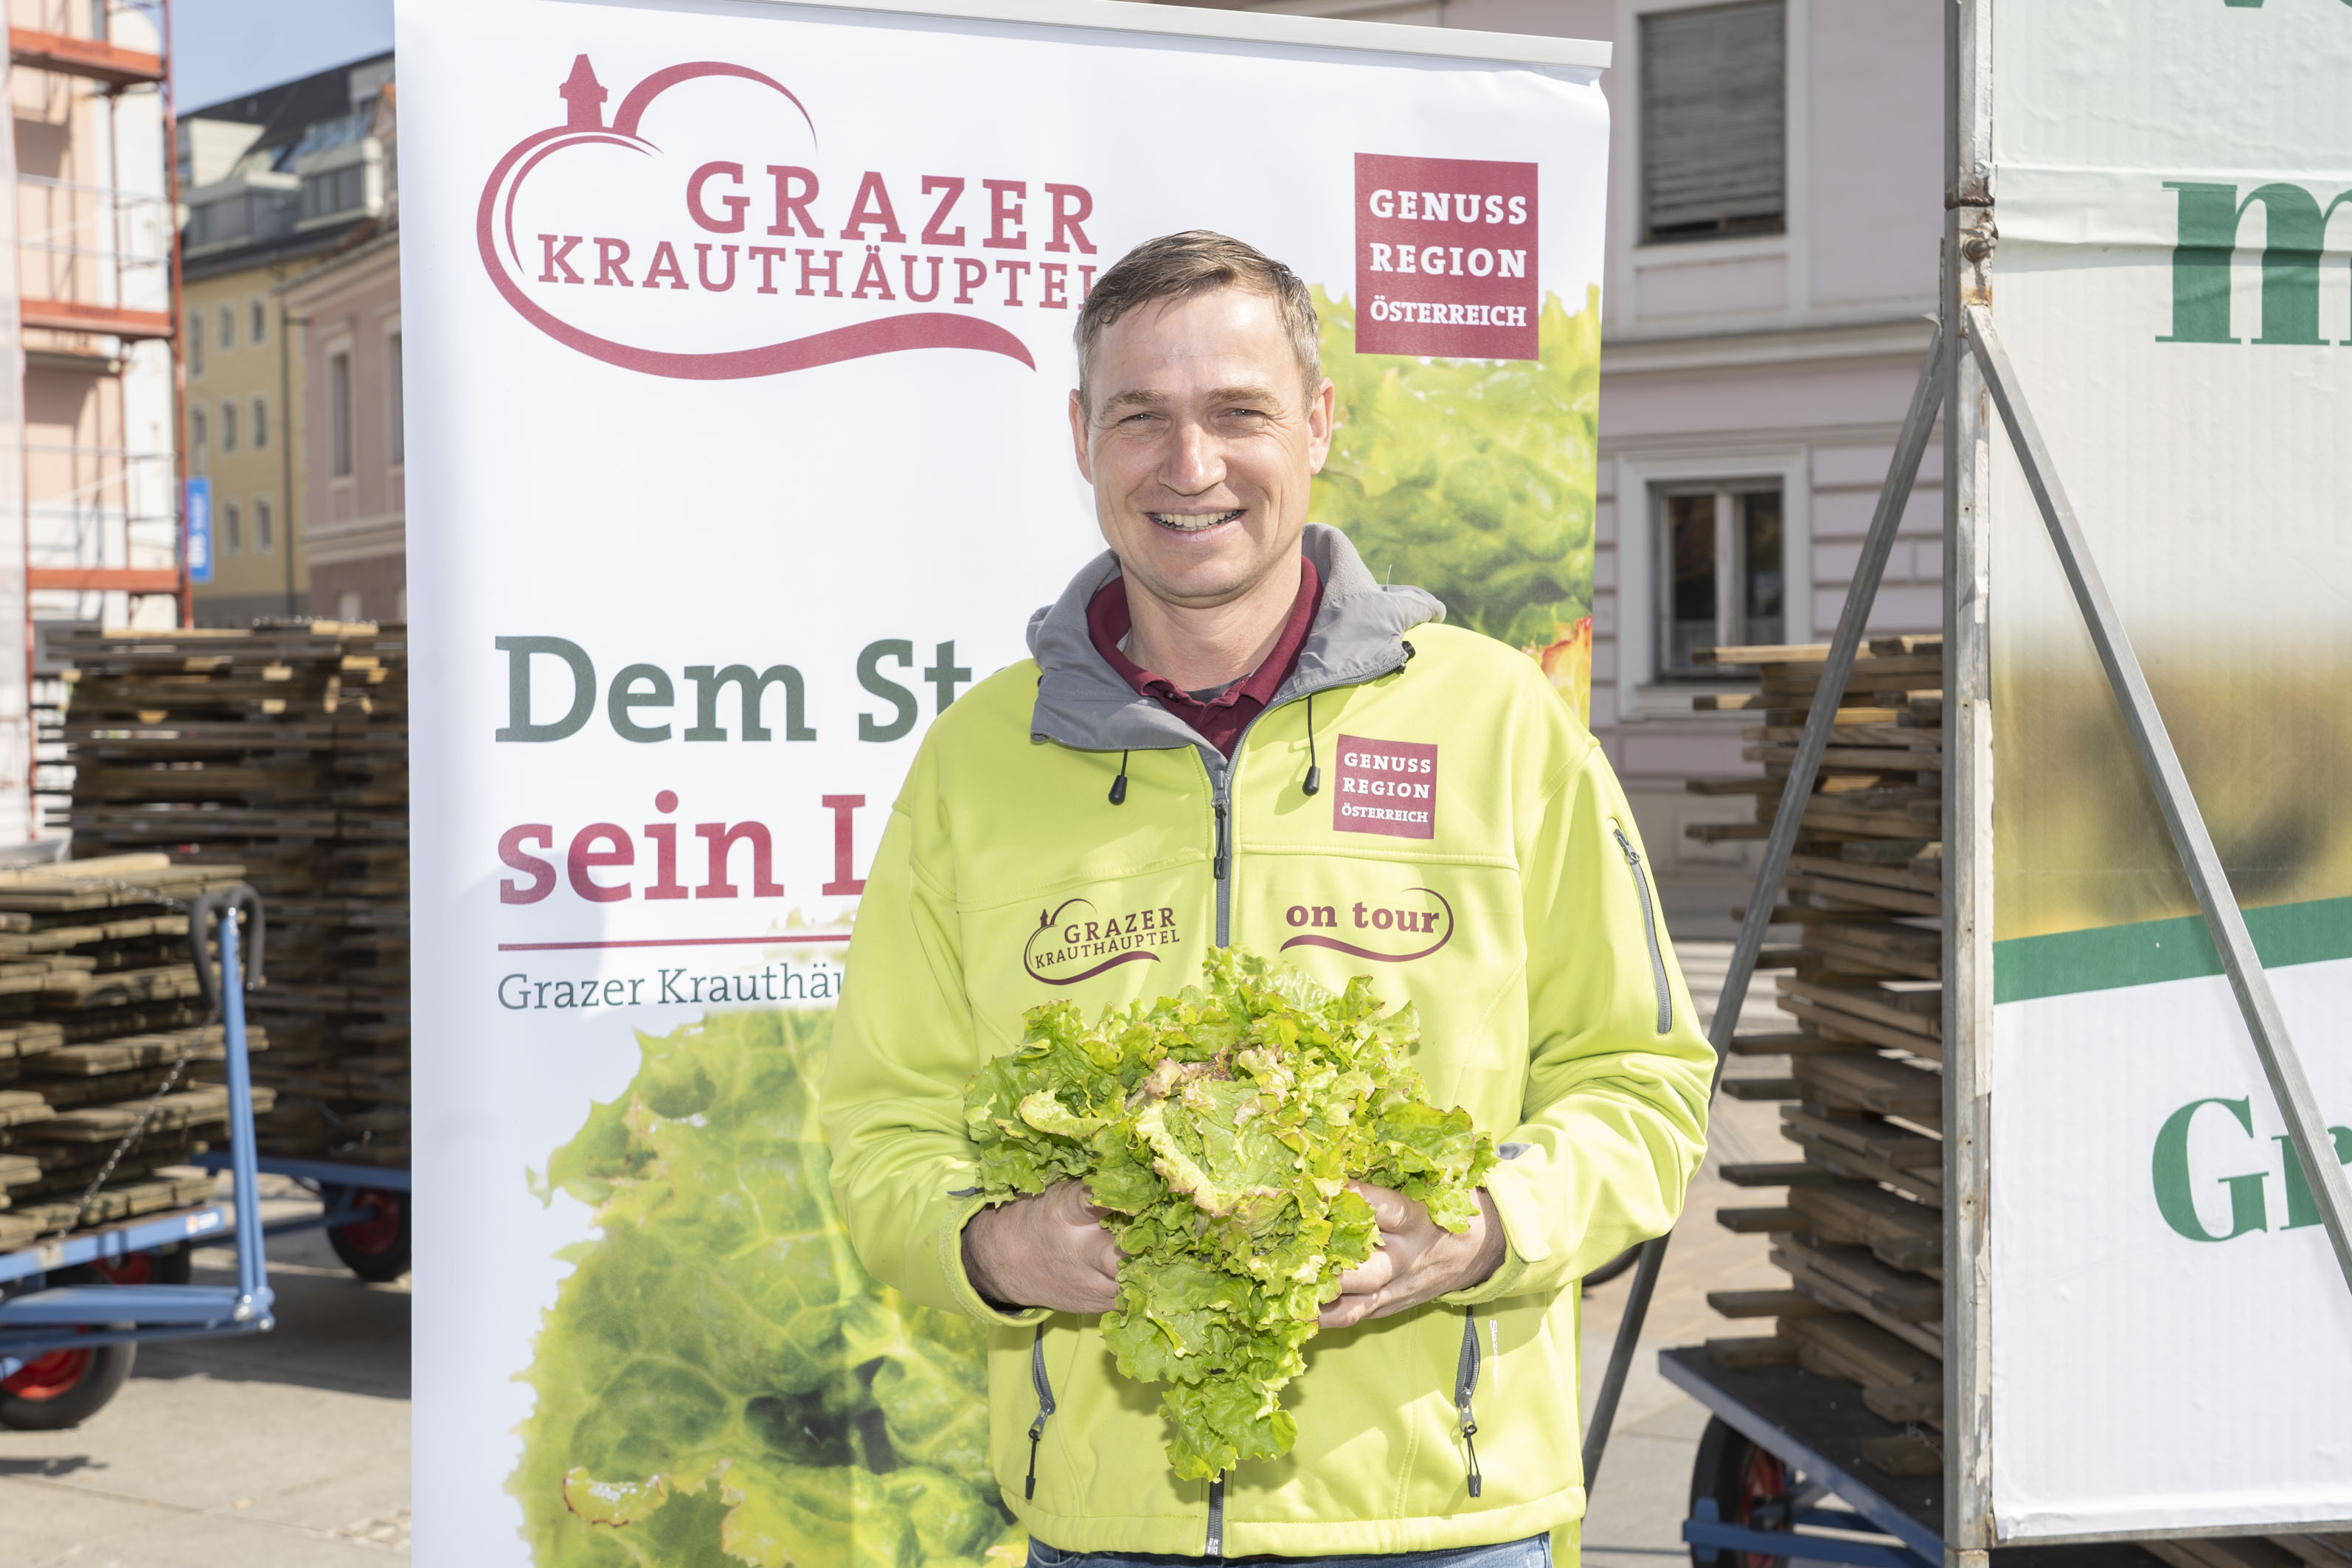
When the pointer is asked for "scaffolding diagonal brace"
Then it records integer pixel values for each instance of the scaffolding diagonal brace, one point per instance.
(2307, 1128)
(1893, 498)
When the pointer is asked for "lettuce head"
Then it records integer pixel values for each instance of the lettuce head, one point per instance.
(1221, 1128)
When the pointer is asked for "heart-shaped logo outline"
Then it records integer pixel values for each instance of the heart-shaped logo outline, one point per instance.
(494, 232)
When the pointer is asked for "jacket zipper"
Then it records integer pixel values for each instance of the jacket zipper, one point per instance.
(1045, 1388)
(1465, 1383)
(1649, 931)
(1221, 798)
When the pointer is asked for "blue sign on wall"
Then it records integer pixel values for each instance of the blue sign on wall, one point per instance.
(200, 530)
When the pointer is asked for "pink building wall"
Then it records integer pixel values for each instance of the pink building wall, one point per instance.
(355, 515)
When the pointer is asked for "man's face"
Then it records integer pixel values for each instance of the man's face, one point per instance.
(1201, 444)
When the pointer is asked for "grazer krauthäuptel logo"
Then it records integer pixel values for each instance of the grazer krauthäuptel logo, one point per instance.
(1077, 940)
(2295, 239)
(700, 234)
(1445, 258)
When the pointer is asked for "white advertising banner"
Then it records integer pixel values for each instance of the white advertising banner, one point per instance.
(738, 347)
(2171, 1337)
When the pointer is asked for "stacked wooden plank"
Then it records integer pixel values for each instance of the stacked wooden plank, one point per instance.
(1857, 1222)
(103, 1036)
(283, 749)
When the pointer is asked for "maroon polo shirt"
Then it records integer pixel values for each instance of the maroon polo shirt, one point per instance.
(1221, 717)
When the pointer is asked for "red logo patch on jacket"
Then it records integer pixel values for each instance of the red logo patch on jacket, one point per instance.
(1386, 786)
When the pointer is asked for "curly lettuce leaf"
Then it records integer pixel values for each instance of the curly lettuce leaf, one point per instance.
(719, 1384)
(1222, 1127)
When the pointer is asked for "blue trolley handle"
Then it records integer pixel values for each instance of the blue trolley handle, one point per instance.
(226, 903)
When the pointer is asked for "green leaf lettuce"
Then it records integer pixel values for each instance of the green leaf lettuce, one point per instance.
(1222, 1128)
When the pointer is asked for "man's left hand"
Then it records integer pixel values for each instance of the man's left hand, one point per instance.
(1418, 1260)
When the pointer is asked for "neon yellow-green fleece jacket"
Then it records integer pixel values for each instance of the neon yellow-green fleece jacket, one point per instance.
(1469, 849)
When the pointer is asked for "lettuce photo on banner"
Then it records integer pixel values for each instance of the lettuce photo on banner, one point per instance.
(1475, 479)
(1221, 1127)
(719, 1382)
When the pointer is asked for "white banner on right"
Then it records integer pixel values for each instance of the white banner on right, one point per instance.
(2171, 1337)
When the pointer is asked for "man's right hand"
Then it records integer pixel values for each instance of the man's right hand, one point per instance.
(1048, 1251)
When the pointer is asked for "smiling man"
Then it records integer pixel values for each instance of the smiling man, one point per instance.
(1232, 733)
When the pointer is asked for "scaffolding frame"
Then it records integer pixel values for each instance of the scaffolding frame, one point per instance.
(116, 70)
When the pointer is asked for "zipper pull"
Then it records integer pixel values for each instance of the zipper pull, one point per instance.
(1218, 869)
(1632, 857)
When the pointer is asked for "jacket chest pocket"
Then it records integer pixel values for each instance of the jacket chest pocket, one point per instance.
(1105, 945)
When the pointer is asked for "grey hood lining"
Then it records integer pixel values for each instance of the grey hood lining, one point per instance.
(1083, 702)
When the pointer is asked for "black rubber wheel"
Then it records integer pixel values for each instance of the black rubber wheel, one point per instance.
(375, 1246)
(63, 1388)
(1615, 1267)
(1751, 1487)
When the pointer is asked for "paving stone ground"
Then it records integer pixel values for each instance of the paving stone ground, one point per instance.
(283, 1450)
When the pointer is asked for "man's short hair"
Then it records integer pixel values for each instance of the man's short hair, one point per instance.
(1197, 261)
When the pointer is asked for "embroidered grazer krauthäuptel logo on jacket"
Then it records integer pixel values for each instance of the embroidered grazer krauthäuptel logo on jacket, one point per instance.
(1076, 941)
(699, 235)
(1386, 786)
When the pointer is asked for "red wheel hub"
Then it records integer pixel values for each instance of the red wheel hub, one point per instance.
(138, 1269)
(48, 1376)
(377, 1230)
(1767, 1481)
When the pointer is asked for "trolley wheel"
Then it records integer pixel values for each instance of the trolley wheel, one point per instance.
(1615, 1267)
(63, 1388)
(176, 1265)
(375, 1245)
(1750, 1487)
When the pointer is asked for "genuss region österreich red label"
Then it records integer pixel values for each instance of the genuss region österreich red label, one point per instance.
(1386, 786)
(1445, 258)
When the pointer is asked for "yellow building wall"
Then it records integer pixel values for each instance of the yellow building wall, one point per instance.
(230, 376)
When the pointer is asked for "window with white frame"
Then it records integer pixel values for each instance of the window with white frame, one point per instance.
(227, 328)
(196, 438)
(195, 342)
(261, 532)
(229, 427)
(260, 424)
(339, 412)
(1714, 122)
(1720, 570)
(399, 433)
(232, 529)
(259, 320)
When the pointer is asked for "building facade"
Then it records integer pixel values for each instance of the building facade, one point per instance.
(1775, 208)
(89, 483)
(277, 182)
(355, 528)
(93, 260)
